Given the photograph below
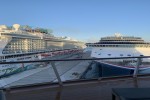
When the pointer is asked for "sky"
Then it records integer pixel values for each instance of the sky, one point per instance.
(84, 20)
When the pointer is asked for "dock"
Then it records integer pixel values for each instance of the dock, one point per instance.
(67, 71)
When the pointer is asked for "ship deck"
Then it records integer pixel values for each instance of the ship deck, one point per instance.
(79, 90)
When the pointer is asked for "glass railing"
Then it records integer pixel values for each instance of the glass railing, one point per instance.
(73, 67)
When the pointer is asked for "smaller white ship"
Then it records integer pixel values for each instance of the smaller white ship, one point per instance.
(121, 46)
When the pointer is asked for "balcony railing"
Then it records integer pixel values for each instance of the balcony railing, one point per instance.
(72, 68)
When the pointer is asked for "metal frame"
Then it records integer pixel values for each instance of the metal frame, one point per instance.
(57, 74)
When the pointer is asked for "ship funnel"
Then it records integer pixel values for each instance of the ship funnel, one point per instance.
(16, 26)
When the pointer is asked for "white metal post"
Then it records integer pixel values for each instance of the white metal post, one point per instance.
(137, 67)
(56, 73)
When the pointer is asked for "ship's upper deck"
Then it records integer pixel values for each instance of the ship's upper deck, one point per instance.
(28, 32)
(24, 31)
(118, 39)
(128, 39)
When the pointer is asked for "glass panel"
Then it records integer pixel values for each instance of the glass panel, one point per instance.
(70, 67)
(145, 66)
(26, 74)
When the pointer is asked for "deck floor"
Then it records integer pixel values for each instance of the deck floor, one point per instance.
(93, 90)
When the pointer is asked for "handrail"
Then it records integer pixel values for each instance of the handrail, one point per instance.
(73, 59)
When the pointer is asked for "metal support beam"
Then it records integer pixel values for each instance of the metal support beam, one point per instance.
(136, 70)
(56, 73)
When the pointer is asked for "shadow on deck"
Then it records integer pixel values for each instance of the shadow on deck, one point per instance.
(78, 90)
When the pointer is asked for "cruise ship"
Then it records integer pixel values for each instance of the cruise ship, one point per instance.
(22, 43)
(121, 46)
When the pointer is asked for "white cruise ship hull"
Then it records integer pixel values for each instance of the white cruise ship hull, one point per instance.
(122, 52)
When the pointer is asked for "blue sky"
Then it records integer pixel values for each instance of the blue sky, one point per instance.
(85, 20)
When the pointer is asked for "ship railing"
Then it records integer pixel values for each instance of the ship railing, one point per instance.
(62, 70)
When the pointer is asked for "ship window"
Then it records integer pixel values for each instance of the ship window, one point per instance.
(128, 55)
(2, 57)
(3, 60)
(99, 54)
(121, 54)
(109, 54)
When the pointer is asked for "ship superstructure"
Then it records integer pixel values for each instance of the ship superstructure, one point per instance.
(26, 41)
(120, 46)
(19, 43)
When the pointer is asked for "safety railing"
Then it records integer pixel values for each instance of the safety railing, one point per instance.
(70, 69)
